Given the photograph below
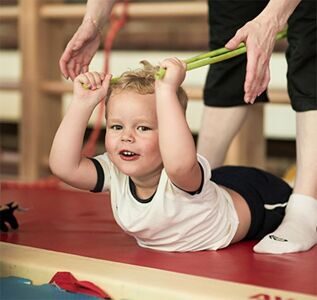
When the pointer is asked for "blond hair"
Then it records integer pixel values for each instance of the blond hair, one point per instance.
(142, 81)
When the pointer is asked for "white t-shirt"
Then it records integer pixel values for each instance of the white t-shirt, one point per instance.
(173, 220)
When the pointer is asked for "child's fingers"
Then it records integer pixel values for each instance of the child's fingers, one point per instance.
(95, 79)
(174, 61)
(175, 71)
(98, 77)
(83, 80)
(179, 62)
(168, 62)
(92, 80)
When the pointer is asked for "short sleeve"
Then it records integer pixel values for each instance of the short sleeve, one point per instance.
(103, 167)
(205, 167)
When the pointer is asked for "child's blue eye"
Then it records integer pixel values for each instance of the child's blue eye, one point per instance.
(116, 127)
(144, 128)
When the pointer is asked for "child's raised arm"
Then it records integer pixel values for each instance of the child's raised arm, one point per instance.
(175, 139)
(65, 159)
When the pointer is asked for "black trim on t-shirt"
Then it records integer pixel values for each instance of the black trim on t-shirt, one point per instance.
(100, 176)
(201, 184)
(133, 192)
(202, 181)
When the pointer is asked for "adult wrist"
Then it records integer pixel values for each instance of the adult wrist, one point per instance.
(94, 22)
(278, 12)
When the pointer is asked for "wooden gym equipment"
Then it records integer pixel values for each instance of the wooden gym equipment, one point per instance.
(40, 24)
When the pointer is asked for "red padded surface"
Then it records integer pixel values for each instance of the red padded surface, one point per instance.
(81, 223)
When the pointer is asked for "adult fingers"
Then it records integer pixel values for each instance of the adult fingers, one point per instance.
(67, 57)
(257, 66)
(239, 37)
(63, 63)
(71, 66)
(265, 82)
(251, 71)
(85, 68)
(77, 68)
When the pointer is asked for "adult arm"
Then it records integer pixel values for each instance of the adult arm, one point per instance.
(175, 139)
(85, 42)
(66, 160)
(259, 36)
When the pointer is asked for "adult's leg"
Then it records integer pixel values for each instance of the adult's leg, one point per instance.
(306, 148)
(218, 127)
(225, 110)
(298, 230)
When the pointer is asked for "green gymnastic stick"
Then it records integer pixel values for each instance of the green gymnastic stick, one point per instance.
(221, 51)
(214, 56)
(208, 58)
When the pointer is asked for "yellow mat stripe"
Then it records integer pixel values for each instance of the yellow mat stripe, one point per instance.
(128, 282)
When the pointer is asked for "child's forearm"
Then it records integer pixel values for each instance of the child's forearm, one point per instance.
(176, 142)
(65, 156)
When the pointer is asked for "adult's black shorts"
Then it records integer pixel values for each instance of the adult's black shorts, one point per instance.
(224, 85)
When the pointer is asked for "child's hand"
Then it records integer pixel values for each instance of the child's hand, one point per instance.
(91, 87)
(174, 76)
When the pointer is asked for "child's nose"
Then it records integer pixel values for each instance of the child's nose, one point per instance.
(127, 136)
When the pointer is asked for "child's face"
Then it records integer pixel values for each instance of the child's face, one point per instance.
(132, 134)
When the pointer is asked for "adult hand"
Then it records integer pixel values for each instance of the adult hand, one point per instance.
(259, 38)
(80, 50)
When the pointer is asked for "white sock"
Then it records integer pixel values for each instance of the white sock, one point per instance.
(298, 230)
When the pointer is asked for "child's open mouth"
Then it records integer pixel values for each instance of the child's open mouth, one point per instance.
(128, 155)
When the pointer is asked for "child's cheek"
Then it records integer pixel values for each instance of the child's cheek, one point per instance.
(108, 143)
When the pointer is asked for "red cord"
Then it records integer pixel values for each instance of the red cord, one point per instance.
(116, 23)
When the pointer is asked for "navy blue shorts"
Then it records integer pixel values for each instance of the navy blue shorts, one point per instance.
(265, 194)
(224, 85)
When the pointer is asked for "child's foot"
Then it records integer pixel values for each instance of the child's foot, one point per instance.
(297, 232)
